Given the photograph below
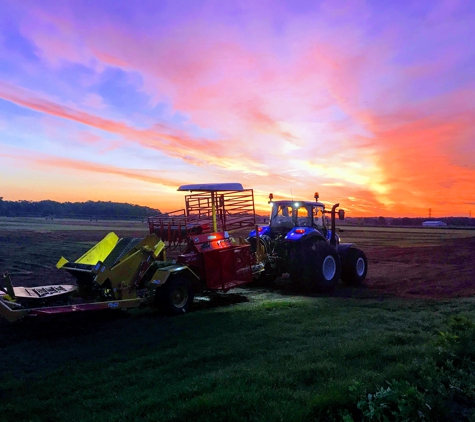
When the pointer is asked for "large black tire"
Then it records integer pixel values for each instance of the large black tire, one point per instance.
(315, 264)
(356, 267)
(176, 296)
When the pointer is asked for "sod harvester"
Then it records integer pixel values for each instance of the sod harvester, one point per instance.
(129, 273)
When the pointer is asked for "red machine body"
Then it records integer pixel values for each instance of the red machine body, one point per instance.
(218, 261)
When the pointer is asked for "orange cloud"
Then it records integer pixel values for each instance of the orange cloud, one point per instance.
(421, 160)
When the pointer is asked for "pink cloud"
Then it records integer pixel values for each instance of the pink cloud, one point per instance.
(94, 101)
(168, 140)
(29, 158)
(89, 138)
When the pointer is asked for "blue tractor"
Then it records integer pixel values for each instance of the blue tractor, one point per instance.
(300, 241)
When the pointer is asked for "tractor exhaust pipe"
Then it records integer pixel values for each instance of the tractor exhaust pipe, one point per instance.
(333, 236)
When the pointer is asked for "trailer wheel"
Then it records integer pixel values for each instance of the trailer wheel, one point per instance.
(355, 269)
(316, 264)
(176, 296)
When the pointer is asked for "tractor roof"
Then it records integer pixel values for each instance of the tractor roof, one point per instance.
(292, 202)
(212, 187)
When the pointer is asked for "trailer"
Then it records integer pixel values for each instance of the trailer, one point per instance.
(132, 273)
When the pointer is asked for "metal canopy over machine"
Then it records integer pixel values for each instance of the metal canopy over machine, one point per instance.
(214, 207)
(212, 187)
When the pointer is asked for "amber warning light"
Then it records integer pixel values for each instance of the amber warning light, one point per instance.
(316, 196)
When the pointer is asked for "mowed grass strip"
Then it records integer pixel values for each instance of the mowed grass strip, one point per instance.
(284, 359)
(45, 225)
(403, 237)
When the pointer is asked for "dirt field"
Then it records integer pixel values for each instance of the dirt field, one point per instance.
(442, 271)
(406, 263)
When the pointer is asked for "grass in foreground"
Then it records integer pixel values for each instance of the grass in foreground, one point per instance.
(285, 359)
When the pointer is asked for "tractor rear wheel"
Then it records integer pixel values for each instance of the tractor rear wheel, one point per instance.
(316, 265)
(176, 296)
(355, 269)
(264, 240)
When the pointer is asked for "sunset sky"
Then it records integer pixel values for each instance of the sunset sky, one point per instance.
(370, 103)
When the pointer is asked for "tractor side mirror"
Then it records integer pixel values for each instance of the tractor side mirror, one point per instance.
(341, 214)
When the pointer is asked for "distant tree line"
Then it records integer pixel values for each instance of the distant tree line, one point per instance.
(89, 209)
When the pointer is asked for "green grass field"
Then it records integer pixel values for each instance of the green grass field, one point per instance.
(283, 359)
(271, 358)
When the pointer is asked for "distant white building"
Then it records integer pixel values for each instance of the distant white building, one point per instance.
(434, 224)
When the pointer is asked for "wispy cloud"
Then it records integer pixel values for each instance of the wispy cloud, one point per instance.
(165, 139)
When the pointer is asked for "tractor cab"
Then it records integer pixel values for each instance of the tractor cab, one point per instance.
(285, 215)
(296, 220)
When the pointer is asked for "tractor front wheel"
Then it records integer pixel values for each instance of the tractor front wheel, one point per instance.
(176, 296)
(355, 269)
(316, 265)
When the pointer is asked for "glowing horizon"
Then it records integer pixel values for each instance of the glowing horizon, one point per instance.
(371, 106)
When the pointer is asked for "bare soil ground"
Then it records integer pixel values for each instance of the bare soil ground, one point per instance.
(442, 271)
(405, 263)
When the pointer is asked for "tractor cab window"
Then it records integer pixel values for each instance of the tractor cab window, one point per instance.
(282, 216)
(318, 216)
(303, 216)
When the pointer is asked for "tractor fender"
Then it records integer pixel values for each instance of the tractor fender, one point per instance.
(165, 274)
(343, 249)
(263, 230)
(308, 233)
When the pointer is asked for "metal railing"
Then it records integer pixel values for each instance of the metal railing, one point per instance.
(234, 210)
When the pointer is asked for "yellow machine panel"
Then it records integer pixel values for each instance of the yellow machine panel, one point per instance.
(99, 252)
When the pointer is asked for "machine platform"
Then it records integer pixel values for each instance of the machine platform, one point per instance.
(42, 292)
